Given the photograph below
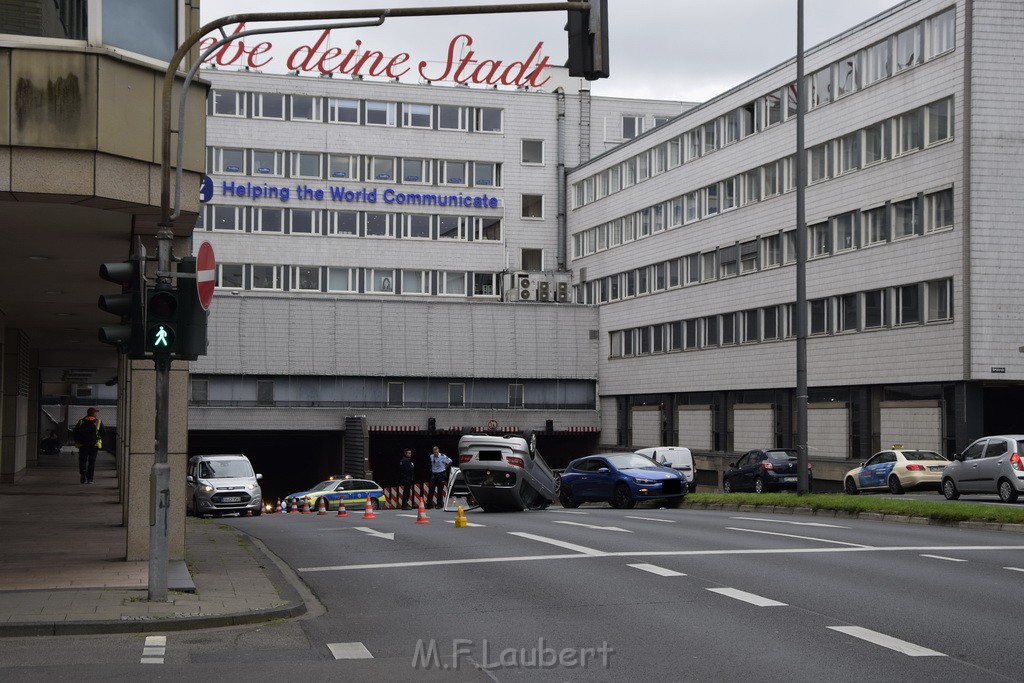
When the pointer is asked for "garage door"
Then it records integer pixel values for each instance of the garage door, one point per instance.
(828, 430)
(753, 426)
(695, 428)
(911, 424)
(646, 425)
(609, 421)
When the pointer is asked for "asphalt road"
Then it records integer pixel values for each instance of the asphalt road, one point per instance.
(603, 595)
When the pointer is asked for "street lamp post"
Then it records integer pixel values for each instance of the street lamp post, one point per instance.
(800, 317)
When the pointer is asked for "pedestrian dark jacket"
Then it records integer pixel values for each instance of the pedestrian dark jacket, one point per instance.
(406, 470)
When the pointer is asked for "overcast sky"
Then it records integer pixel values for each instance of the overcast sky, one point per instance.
(689, 50)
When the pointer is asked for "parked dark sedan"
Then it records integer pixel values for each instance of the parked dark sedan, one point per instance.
(622, 479)
(764, 469)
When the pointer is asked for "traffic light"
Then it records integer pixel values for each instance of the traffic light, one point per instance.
(161, 321)
(192, 317)
(130, 304)
(588, 41)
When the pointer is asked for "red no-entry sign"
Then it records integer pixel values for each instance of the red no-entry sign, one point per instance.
(206, 274)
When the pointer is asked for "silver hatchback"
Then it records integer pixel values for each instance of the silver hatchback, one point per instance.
(992, 464)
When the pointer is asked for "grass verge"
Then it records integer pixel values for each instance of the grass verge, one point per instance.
(945, 511)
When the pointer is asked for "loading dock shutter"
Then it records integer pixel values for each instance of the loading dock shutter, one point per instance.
(356, 446)
(695, 430)
(646, 425)
(828, 430)
(753, 426)
(911, 424)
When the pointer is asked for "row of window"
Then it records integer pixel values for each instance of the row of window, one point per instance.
(352, 223)
(348, 167)
(894, 54)
(913, 304)
(902, 134)
(896, 220)
(277, 106)
(266, 277)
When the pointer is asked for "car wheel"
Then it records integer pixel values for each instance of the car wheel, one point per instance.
(727, 486)
(195, 509)
(949, 489)
(850, 486)
(691, 487)
(565, 497)
(759, 486)
(1007, 493)
(375, 504)
(622, 498)
(895, 487)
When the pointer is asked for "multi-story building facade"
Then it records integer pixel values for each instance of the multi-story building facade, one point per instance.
(685, 239)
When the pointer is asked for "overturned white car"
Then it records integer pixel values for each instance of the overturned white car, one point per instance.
(505, 472)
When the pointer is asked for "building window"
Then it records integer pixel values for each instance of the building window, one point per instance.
(396, 394)
(417, 116)
(694, 145)
(227, 218)
(771, 251)
(454, 173)
(709, 331)
(904, 222)
(845, 229)
(304, 222)
(710, 200)
(343, 166)
(486, 174)
(228, 103)
(451, 283)
(415, 282)
(818, 162)
(728, 261)
(532, 152)
(199, 391)
(709, 266)
(267, 106)
(748, 256)
(940, 121)
(874, 144)
(380, 168)
(752, 186)
(264, 392)
(730, 193)
(381, 281)
(941, 33)
(377, 224)
(821, 88)
(847, 76)
(306, 108)
(267, 162)
(341, 280)
(228, 160)
(306, 278)
(819, 238)
(876, 227)
(908, 303)
(770, 322)
(875, 309)
(908, 50)
(632, 126)
(818, 316)
(342, 111)
(910, 132)
(416, 171)
(484, 284)
(267, 277)
(515, 396)
(451, 227)
(456, 395)
(710, 134)
(732, 124)
(849, 152)
(879, 62)
(344, 223)
(789, 246)
(770, 175)
(751, 331)
(416, 226)
(450, 117)
(306, 165)
(533, 206)
(268, 220)
(940, 300)
(229, 276)
(488, 120)
(938, 210)
(380, 113)
(849, 313)
(487, 229)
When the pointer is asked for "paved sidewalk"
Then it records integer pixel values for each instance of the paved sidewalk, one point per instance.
(63, 568)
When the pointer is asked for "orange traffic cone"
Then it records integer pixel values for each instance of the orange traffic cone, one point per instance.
(294, 507)
(305, 506)
(321, 507)
(421, 514)
(278, 508)
(341, 508)
(368, 512)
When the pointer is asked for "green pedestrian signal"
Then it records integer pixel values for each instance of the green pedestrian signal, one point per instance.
(162, 309)
(161, 338)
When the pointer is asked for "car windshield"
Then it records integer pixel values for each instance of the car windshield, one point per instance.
(782, 456)
(226, 469)
(922, 455)
(626, 461)
(322, 485)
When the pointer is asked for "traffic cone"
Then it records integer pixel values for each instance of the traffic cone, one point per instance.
(294, 507)
(460, 518)
(368, 511)
(321, 507)
(305, 506)
(341, 508)
(278, 508)
(248, 513)
(421, 514)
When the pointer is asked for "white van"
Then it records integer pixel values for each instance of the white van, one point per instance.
(222, 484)
(676, 457)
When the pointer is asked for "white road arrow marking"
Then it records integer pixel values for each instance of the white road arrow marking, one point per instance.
(786, 521)
(887, 641)
(374, 532)
(593, 526)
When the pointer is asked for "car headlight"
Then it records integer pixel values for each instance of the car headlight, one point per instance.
(250, 487)
(644, 481)
(207, 488)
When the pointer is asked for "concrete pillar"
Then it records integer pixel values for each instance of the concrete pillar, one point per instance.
(14, 410)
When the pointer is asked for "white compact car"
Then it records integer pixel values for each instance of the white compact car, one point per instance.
(676, 457)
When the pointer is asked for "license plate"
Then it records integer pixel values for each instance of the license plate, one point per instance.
(938, 468)
(789, 480)
(231, 499)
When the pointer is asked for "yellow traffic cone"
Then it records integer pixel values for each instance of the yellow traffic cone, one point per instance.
(460, 518)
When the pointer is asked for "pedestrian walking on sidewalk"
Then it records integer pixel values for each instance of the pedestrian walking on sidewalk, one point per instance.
(88, 435)
(406, 475)
(439, 464)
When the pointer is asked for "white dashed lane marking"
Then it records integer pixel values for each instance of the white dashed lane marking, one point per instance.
(786, 521)
(654, 569)
(901, 646)
(652, 519)
(349, 651)
(802, 538)
(756, 600)
(1015, 569)
(941, 557)
(154, 650)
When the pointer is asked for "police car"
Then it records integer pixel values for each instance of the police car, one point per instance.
(897, 470)
(353, 491)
